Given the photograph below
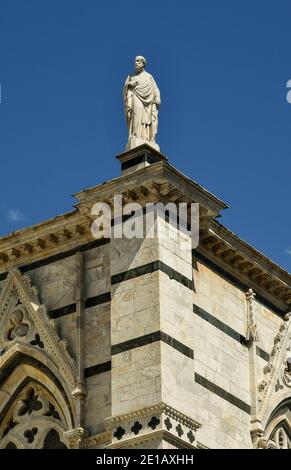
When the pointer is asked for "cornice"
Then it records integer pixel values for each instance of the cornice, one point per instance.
(250, 251)
(160, 173)
(44, 240)
(246, 264)
(159, 420)
(113, 421)
(158, 182)
(99, 439)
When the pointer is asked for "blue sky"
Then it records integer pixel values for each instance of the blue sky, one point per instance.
(222, 68)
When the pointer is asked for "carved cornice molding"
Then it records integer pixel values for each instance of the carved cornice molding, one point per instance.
(43, 240)
(161, 174)
(99, 440)
(216, 241)
(159, 182)
(113, 421)
(246, 264)
(201, 446)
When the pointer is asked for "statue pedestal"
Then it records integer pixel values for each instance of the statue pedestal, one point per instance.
(135, 142)
(139, 157)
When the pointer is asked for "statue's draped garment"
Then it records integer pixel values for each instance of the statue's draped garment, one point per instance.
(141, 107)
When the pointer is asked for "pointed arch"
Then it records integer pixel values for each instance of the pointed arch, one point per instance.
(37, 373)
(23, 320)
(34, 403)
(276, 384)
(278, 428)
(23, 357)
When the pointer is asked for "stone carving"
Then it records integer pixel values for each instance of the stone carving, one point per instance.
(191, 436)
(19, 328)
(29, 435)
(119, 433)
(276, 373)
(280, 438)
(274, 385)
(288, 359)
(141, 100)
(179, 430)
(37, 341)
(252, 332)
(76, 438)
(136, 428)
(30, 417)
(30, 403)
(287, 370)
(159, 418)
(262, 443)
(154, 422)
(23, 320)
(168, 424)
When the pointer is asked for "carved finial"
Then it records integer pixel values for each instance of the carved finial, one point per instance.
(252, 332)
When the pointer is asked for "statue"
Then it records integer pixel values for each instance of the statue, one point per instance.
(141, 101)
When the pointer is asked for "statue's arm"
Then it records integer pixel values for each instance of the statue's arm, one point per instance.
(156, 92)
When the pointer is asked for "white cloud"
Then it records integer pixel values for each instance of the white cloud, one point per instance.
(289, 251)
(14, 215)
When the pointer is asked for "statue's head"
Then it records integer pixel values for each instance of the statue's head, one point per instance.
(140, 63)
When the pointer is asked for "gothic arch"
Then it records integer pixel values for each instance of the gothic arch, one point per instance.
(23, 357)
(24, 321)
(278, 428)
(33, 407)
(37, 373)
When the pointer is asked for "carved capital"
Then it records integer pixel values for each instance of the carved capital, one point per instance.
(76, 438)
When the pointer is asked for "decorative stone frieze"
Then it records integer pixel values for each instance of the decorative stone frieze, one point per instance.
(149, 422)
(45, 241)
(245, 263)
(276, 375)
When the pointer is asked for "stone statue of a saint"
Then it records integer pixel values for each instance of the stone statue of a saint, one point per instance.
(141, 101)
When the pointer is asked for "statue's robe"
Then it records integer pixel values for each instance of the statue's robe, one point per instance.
(141, 106)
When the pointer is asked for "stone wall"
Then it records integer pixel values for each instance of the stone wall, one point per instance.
(159, 327)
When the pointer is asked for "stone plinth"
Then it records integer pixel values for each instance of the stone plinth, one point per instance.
(139, 157)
